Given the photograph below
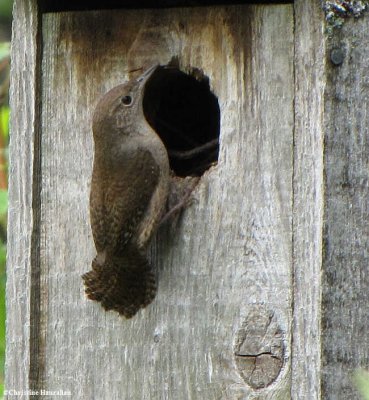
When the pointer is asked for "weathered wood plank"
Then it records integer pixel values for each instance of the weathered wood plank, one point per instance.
(22, 267)
(229, 270)
(229, 260)
(345, 292)
(308, 198)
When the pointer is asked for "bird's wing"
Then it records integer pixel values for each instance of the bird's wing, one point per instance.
(127, 197)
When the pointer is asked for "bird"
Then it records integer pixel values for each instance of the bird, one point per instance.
(129, 190)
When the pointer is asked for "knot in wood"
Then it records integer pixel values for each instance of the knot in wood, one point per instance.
(259, 349)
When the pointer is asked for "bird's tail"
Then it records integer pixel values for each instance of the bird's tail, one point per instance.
(123, 284)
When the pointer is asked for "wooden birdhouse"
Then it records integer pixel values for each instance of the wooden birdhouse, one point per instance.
(262, 278)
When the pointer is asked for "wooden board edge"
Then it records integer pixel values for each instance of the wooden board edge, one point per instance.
(308, 198)
(22, 350)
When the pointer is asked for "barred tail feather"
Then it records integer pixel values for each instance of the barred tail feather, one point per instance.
(123, 284)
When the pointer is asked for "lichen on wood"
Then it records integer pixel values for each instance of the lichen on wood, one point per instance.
(337, 10)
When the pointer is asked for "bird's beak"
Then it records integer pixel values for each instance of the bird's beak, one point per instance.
(142, 79)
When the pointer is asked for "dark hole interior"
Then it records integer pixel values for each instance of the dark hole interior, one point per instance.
(185, 114)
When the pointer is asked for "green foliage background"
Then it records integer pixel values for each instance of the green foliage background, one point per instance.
(4, 112)
(5, 25)
(4, 138)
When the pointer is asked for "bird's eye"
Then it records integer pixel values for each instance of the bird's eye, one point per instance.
(127, 100)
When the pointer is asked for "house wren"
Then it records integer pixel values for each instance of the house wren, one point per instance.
(129, 190)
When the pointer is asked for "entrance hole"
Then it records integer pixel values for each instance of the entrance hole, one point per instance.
(185, 114)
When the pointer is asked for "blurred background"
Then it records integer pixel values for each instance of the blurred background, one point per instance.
(5, 35)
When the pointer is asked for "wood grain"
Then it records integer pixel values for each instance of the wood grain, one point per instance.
(308, 199)
(345, 278)
(232, 250)
(263, 284)
(23, 351)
